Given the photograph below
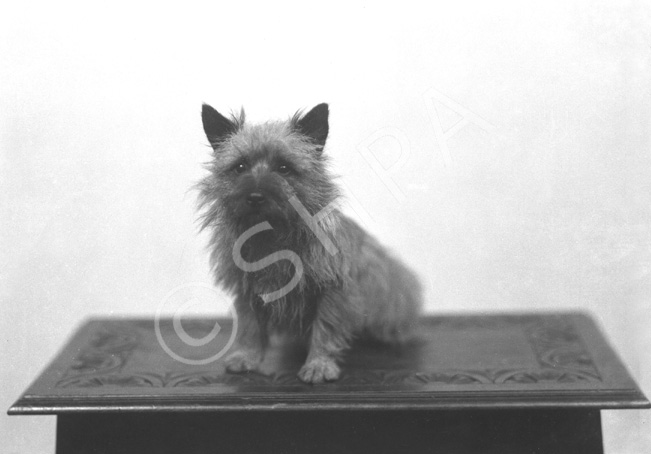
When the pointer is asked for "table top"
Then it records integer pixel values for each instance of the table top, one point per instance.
(456, 362)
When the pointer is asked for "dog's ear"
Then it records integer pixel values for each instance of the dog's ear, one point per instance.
(216, 126)
(314, 124)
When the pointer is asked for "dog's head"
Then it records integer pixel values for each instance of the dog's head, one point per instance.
(257, 169)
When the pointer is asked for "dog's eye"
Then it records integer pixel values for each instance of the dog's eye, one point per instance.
(240, 168)
(284, 169)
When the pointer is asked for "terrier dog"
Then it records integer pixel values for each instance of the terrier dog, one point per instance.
(292, 260)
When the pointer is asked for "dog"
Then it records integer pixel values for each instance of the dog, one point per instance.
(280, 244)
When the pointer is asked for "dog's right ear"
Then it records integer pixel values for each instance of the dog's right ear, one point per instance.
(313, 124)
(216, 126)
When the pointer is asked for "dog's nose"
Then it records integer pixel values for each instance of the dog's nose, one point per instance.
(255, 199)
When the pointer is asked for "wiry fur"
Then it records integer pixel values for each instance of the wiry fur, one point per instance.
(361, 289)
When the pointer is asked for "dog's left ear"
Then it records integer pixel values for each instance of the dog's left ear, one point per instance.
(314, 124)
(217, 127)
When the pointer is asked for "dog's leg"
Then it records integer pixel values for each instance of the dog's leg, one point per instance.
(330, 335)
(250, 340)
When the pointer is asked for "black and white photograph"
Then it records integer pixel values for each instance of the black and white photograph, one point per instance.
(361, 227)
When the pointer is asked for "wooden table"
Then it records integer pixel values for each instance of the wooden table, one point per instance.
(492, 384)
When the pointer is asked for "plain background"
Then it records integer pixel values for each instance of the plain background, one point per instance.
(539, 200)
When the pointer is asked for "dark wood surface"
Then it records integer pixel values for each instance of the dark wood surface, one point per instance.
(462, 362)
(547, 431)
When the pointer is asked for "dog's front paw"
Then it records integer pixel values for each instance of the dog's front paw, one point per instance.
(318, 370)
(243, 361)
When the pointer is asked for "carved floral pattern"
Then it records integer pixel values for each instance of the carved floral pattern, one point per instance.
(559, 350)
(107, 351)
